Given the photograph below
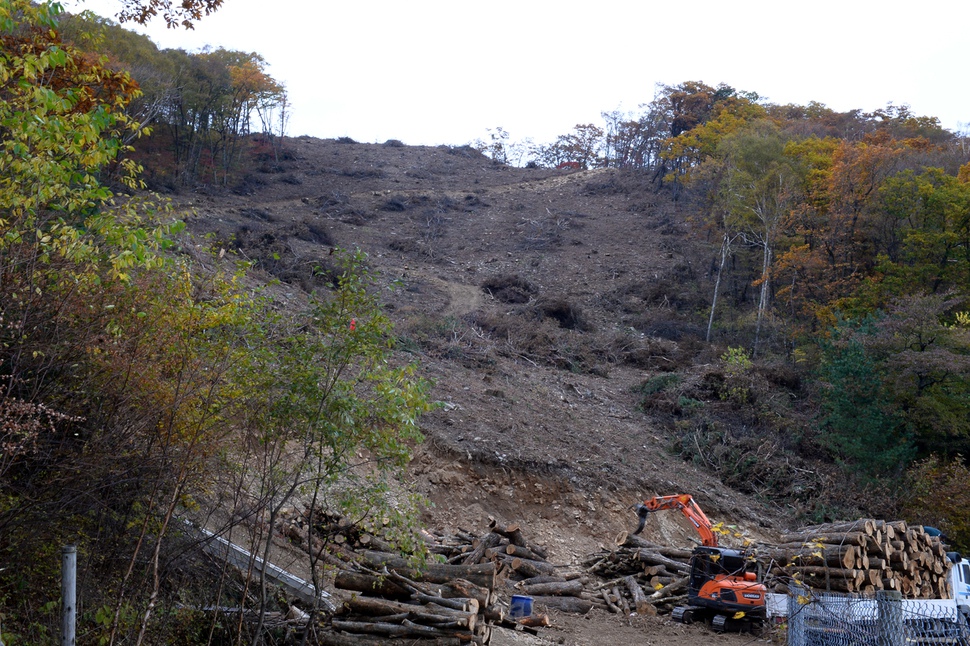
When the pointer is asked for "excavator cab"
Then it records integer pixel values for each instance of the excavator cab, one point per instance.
(721, 587)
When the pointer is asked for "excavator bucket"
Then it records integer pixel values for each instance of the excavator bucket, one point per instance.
(642, 513)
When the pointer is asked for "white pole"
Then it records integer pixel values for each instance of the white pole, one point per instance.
(68, 594)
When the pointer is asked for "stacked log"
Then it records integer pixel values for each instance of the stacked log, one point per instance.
(862, 556)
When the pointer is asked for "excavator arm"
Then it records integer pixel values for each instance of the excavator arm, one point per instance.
(685, 503)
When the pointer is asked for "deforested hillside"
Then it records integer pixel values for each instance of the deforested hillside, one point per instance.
(559, 315)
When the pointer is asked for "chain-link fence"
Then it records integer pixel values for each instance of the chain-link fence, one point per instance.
(828, 619)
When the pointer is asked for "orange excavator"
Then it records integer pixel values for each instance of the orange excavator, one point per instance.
(720, 585)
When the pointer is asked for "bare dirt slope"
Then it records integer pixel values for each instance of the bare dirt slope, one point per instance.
(536, 300)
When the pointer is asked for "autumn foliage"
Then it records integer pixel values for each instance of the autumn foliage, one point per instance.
(140, 389)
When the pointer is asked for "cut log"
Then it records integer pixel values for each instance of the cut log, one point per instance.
(621, 600)
(458, 604)
(812, 580)
(640, 603)
(494, 614)
(374, 607)
(328, 638)
(370, 584)
(824, 572)
(835, 538)
(459, 588)
(482, 574)
(573, 605)
(515, 536)
(843, 556)
(530, 568)
(610, 605)
(522, 552)
(565, 588)
(865, 525)
(487, 542)
(387, 629)
(542, 578)
(648, 556)
(535, 621)
(669, 589)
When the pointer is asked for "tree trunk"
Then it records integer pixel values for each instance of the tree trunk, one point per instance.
(565, 588)
(482, 574)
(565, 604)
(725, 249)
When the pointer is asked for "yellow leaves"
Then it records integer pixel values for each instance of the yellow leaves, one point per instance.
(963, 175)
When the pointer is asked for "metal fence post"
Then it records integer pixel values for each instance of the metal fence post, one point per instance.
(68, 594)
(796, 618)
(891, 628)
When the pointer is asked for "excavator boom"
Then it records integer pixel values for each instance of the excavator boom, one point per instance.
(685, 503)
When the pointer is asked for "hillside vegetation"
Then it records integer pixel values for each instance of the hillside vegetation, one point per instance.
(762, 305)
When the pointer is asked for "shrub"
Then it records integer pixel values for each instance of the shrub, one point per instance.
(938, 496)
(658, 383)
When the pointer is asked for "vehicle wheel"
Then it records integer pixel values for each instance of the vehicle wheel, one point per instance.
(683, 614)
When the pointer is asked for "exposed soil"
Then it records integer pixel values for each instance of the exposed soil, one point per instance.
(536, 300)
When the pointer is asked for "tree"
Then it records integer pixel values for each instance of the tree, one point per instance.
(925, 349)
(756, 192)
(496, 147)
(625, 144)
(582, 146)
(924, 233)
(858, 422)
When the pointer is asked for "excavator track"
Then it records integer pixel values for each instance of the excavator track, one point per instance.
(685, 614)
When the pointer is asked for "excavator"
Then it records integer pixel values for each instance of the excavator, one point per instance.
(720, 585)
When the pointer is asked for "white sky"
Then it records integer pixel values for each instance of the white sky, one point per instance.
(434, 72)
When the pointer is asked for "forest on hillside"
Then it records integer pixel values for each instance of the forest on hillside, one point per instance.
(132, 361)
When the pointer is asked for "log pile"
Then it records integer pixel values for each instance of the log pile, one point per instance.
(862, 556)
(437, 604)
(640, 576)
(523, 566)
(455, 601)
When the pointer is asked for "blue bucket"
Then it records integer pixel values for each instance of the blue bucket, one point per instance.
(521, 606)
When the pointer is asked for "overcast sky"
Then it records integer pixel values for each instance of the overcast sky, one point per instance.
(429, 72)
